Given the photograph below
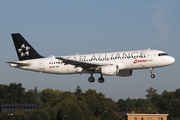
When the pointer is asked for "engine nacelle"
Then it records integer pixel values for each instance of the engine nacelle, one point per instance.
(109, 70)
(124, 73)
(114, 70)
(79, 69)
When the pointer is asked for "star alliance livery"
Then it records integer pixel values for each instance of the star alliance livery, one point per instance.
(110, 64)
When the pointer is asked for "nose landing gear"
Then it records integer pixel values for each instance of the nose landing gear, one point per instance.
(152, 75)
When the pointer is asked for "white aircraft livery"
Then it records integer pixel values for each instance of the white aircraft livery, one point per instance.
(110, 64)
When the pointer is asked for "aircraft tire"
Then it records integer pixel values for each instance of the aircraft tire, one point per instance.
(152, 76)
(101, 80)
(91, 79)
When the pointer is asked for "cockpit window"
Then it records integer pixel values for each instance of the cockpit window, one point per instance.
(162, 54)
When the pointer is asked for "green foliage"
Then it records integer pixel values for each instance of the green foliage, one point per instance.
(78, 93)
(20, 115)
(126, 105)
(94, 101)
(177, 93)
(151, 93)
(109, 115)
(89, 105)
(47, 95)
(39, 115)
(167, 103)
(12, 93)
(31, 97)
(72, 111)
(87, 114)
(51, 113)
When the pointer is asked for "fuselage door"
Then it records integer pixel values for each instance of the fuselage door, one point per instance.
(149, 55)
(41, 64)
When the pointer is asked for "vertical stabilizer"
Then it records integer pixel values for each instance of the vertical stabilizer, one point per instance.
(24, 50)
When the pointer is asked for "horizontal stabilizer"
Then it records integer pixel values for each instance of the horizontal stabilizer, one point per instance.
(17, 64)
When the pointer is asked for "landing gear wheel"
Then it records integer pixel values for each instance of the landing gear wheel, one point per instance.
(101, 80)
(91, 79)
(152, 76)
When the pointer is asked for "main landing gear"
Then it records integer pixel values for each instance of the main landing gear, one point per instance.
(92, 79)
(152, 75)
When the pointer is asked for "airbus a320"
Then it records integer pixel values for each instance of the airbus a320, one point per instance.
(110, 64)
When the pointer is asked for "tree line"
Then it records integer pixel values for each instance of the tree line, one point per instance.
(88, 105)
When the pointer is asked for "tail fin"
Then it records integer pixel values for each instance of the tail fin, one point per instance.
(24, 50)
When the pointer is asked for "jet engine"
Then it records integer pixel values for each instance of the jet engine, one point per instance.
(109, 70)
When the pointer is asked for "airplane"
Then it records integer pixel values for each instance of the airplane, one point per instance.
(110, 64)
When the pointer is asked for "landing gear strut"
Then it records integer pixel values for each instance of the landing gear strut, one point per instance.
(152, 75)
(101, 79)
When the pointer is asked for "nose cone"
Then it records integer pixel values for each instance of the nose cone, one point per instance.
(171, 60)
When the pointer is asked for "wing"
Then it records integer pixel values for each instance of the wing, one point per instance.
(83, 64)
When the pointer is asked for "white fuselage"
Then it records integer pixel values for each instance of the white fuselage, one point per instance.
(128, 60)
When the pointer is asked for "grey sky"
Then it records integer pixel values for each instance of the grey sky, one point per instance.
(89, 26)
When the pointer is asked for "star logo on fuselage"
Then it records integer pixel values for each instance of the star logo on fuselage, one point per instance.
(24, 50)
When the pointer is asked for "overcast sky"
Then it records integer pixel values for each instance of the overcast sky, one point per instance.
(67, 27)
